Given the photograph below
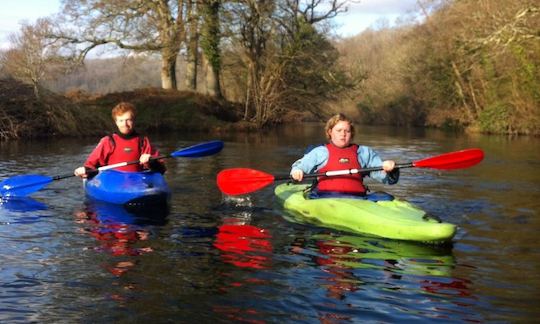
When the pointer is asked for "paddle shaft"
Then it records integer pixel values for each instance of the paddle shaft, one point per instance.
(110, 166)
(346, 172)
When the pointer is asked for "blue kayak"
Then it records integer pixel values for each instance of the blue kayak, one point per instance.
(119, 187)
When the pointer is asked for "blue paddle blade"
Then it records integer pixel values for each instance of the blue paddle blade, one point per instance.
(200, 150)
(21, 204)
(23, 185)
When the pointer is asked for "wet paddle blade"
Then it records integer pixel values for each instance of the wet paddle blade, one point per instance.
(453, 160)
(239, 181)
(199, 150)
(23, 185)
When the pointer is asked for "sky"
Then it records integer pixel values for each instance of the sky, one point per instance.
(361, 14)
(12, 12)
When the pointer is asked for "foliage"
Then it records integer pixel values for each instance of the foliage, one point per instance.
(470, 64)
(494, 118)
(466, 64)
(289, 64)
(311, 73)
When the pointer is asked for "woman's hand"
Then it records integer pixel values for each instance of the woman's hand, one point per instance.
(297, 174)
(388, 165)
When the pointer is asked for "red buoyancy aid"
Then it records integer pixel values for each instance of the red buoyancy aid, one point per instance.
(126, 150)
(342, 159)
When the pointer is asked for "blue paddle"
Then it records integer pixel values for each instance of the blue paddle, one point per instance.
(23, 185)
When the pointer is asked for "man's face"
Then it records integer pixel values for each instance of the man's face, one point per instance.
(124, 122)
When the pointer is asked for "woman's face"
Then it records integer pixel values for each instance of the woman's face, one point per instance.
(124, 122)
(340, 134)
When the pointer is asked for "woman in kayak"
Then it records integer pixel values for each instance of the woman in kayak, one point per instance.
(123, 146)
(341, 154)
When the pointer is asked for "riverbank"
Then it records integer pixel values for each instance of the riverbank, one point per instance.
(166, 110)
(22, 115)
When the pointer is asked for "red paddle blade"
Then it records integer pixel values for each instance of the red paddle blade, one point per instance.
(453, 160)
(239, 181)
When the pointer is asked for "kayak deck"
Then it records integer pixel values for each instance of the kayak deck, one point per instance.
(389, 219)
(128, 188)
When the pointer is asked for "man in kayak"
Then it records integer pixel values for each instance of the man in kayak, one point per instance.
(123, 146)
(341, 154)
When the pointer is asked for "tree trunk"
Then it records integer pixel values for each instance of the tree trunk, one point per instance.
(35, 85)
(168, 72)
(459, 83)
(191, 67)
(250, 90)
(210, 39)
(213, 82)
(192, 47)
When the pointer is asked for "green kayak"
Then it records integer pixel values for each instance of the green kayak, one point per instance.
(389, 219)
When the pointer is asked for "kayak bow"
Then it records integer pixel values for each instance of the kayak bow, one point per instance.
(119, 187)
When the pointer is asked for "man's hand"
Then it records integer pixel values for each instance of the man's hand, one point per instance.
(144, 158)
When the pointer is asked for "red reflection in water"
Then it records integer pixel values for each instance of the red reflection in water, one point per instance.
(456, 287)
(243, 245)
(342, 280)
(237, 314)
(115, 238)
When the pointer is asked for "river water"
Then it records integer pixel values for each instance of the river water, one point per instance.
(222, 259)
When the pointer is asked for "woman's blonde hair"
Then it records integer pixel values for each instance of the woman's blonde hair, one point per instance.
(333, 122)
(123, 108)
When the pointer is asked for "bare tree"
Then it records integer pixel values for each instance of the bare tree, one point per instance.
(32, 56)
(254, 24)
(137, 25)
(277, 38)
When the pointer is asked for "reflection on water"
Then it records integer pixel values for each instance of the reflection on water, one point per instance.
(119, 230)
(216, 258)
(352, 268)
(398, 257)
(21, 204)
(243, 245)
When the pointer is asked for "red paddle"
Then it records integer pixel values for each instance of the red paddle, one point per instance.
(239, 181)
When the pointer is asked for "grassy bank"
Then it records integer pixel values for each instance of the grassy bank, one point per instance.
(22, 115)
(165, 110)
